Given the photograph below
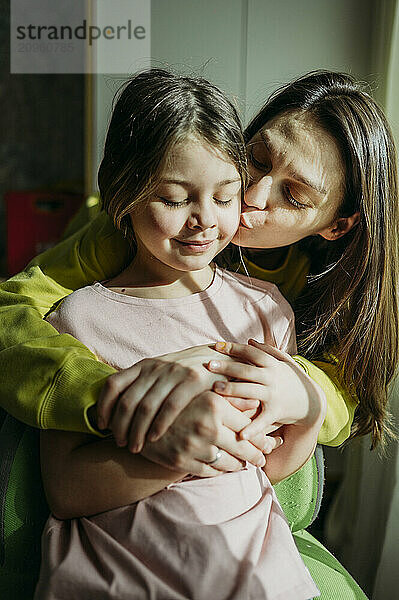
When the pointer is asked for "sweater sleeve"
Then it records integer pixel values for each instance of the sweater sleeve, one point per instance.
(340, 404)
(50, 380)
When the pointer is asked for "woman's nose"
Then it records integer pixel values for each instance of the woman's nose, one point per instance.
(258, 193)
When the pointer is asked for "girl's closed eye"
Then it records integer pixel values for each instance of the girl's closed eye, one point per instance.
(223, 202)
(174, 203)
(180, 203)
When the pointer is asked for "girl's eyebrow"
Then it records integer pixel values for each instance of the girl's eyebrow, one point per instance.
(292, 172)
(187, 183)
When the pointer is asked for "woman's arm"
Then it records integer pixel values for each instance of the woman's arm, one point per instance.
(341, 404)
(50, 380)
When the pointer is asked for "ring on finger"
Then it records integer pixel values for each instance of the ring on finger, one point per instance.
(218, 455)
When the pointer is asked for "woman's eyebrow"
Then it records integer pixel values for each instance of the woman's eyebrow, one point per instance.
(291, 171)
(312, 184)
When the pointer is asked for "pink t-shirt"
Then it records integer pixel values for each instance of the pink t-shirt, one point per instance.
(220, 538)
(122, 329)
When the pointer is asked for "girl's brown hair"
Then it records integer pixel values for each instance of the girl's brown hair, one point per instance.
(351, 303)
(153, 111)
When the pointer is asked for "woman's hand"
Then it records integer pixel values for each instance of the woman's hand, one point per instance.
(147, 397)
(286, 394)
(208, 424)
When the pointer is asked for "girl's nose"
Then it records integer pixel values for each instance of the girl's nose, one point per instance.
(203, 217)
(258, 194)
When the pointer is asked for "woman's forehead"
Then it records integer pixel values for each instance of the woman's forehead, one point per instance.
(298, 143)
(296, 129)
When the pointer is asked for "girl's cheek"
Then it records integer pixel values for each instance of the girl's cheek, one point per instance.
(166, 224)
(230, 224)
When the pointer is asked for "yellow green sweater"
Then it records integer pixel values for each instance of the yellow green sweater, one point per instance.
(50, 380)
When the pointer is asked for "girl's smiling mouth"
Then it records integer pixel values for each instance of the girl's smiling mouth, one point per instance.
(196, 246)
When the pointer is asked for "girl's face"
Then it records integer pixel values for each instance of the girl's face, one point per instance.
(297, 184)
(193, 214)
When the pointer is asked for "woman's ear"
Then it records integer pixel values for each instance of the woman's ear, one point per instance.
(339, 227)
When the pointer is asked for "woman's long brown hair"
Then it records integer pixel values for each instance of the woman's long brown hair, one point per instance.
(351, 303)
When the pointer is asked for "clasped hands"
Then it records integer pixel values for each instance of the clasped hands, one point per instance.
(180, 408)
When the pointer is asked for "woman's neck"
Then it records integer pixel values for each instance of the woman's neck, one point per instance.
(133, 281)
(268, 259)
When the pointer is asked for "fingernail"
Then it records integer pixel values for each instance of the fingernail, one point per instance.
(121, 443)
(134, 449)
(220, 345)
(219, 386)
(152, 437)
(214, 364)
(261, 462)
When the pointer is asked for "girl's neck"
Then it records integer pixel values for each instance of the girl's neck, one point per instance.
(268, 259)
(134, 281)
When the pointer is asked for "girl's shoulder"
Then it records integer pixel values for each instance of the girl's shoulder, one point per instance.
(74, 307)
(290, 276)
(257, 290)
(247, 282)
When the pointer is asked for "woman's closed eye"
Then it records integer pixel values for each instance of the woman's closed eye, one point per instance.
(290, 198)
(260, 158)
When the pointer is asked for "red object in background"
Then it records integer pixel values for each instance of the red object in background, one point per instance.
(35, 222)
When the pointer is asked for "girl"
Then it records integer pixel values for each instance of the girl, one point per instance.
(177, 177)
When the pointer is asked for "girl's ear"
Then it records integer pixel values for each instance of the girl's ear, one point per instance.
(341, 226)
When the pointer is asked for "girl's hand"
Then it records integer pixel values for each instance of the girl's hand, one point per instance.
(286, 394)
(208, 424)
(147, 397)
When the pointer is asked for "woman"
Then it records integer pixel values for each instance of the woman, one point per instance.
(366, 156)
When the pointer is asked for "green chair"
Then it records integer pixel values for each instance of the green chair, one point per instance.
(300, 497)
(23, 509)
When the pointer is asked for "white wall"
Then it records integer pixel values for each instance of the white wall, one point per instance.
(252, 46)
(291, 37)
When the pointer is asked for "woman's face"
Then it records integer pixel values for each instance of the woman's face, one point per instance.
(297, 183)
